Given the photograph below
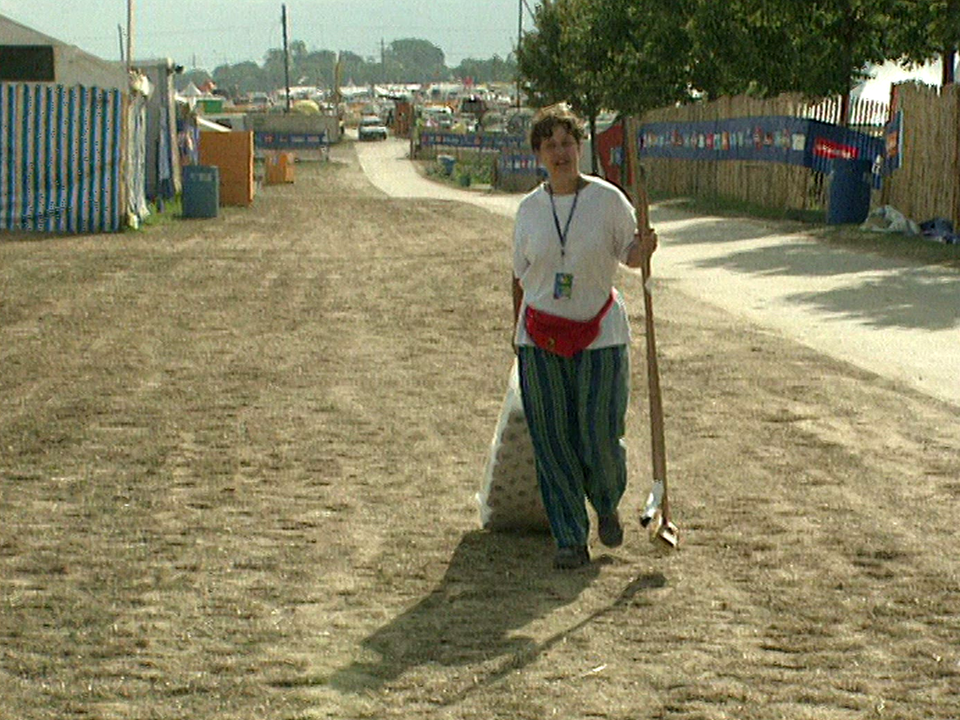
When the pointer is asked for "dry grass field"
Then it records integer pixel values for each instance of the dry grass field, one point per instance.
(238, 460)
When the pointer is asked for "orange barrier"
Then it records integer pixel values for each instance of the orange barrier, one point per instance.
(279, 168)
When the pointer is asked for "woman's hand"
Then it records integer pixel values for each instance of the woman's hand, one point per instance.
(646, 242)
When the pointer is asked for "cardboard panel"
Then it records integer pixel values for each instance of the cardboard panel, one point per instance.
(232, 153)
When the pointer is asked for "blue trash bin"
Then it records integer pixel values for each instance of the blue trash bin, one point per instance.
(201, 191)
(447, 163)
(849, 198)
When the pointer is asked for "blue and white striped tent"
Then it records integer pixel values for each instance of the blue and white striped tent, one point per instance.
(61, 158)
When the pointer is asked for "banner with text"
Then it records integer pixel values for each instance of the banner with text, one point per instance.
(783, 139)
(472, 141)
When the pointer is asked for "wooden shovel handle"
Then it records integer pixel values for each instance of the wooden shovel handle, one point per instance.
(657, 440)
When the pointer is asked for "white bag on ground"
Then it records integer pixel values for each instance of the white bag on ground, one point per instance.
(510, 496)
(888, 219)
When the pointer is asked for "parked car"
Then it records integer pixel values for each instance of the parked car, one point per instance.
(371, 128)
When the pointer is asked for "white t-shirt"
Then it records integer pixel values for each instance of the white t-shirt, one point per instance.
(600, 234)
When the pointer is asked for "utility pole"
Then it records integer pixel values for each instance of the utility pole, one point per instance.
(123, 54)
(130, 12)
(286, 55)
(519, 36)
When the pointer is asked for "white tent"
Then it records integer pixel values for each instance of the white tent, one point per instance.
(72, 66)
(74, 136)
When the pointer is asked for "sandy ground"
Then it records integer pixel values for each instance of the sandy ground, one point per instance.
(238, 460)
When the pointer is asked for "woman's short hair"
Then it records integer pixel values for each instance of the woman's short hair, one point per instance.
(549, 118)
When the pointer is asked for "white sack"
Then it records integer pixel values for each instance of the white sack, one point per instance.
(888, 219)
(510, 497)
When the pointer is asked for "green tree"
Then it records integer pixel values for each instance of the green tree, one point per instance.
(317, 68)
(817, 48)
(838, 39)
(240, 79)
(738, 47)
(928, 29)
(541, 57)
(496, 69)
(624, 55)
(273, 68)
(413, 60)
(353, 68)
(645, 56)
(196, 76)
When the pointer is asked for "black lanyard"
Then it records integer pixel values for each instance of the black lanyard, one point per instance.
(556, 221)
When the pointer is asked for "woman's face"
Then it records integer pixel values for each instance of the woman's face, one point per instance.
(560, 155)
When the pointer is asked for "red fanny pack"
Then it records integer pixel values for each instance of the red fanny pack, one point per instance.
(563, 336)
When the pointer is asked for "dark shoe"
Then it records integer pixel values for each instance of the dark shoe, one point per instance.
(610, 529)
(569, 558)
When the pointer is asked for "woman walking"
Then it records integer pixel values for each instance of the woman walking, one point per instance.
(572, 335)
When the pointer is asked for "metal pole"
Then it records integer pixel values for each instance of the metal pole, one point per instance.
(286, 56)
(519, 36)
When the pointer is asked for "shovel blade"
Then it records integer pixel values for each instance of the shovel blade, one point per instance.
(668, 536)
(663, 533)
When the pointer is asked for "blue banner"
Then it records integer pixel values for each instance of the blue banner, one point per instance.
(513, 163)
(290, 141)
(784, 139)
(471, 141)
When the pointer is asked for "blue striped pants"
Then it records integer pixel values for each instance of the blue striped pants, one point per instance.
(576, 411)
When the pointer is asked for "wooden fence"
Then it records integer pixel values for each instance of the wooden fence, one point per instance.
(763, 183)
(926, 185)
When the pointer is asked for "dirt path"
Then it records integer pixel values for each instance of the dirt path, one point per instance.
(237, 467)
(895, 318)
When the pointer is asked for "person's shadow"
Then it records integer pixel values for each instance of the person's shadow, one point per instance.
(495, 583)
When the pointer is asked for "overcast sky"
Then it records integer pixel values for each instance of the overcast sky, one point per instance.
(215, 32)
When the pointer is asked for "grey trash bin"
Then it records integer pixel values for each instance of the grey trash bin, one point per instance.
(201, 191)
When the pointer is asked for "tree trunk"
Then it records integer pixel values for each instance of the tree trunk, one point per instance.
(593, 144)
(949, 59)
(949, 56)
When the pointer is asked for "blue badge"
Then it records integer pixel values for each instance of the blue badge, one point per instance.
(563, 286)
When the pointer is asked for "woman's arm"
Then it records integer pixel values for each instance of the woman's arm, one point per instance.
(517, 303)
